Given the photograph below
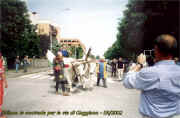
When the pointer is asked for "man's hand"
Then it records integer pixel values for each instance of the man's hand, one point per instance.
(136, 68)
(141, 59)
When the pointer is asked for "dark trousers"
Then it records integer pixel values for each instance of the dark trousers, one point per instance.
(62, 85)
(25, 68)
(113, 74)
(104, 81)
(59, 82)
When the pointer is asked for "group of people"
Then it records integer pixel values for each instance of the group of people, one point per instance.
(159, 82)
(25, 62)
(117, 67)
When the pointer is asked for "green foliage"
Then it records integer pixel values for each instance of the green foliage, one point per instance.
(44, 44)
(76, 52)
(92, 56)
(79, 53)
(18, 34)
(55, 46)
(97, 57)
(143, 21)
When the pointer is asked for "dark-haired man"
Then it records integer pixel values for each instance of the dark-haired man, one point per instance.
(120, 66)
(160, 83)
(114, 68)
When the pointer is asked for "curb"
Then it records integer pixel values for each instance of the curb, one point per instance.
(14, 75)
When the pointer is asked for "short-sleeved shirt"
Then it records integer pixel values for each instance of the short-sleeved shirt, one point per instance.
(120, 64)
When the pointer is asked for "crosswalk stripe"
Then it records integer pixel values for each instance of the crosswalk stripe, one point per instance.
(110, 81)
(44, 75)
(25, 76)
(36, 76)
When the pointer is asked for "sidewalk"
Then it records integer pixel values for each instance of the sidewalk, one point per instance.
(13, 74)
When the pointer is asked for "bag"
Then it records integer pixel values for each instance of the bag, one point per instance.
(62, 79)
(61, 76)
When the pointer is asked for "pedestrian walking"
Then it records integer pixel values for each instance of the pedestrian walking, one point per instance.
(25, 63)
(17, 63)
(159, 84)
(58, 65)
(102, 72)
(3, 83)
(114, 68)
(120, 66)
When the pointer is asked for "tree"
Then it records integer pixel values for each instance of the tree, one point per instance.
(55, 46)
(76, 52)
(18, 34)
(97, 57)
(143, 21)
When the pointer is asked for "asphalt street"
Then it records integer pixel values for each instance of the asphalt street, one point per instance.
(33, 96)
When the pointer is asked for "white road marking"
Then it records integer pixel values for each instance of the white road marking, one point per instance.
(110, 80)
(44, 75)
(36, 76)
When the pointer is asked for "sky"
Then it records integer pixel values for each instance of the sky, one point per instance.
(94, 22)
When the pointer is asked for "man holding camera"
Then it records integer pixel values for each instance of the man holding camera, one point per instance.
(160, 83)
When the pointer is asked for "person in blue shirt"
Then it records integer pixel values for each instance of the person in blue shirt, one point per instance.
(64, 51)
(102, 72)
(160, 83)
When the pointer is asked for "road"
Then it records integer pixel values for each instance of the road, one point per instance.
(35, 93)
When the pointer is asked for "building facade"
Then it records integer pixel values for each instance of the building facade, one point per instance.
(53, 31)
(72, 42)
